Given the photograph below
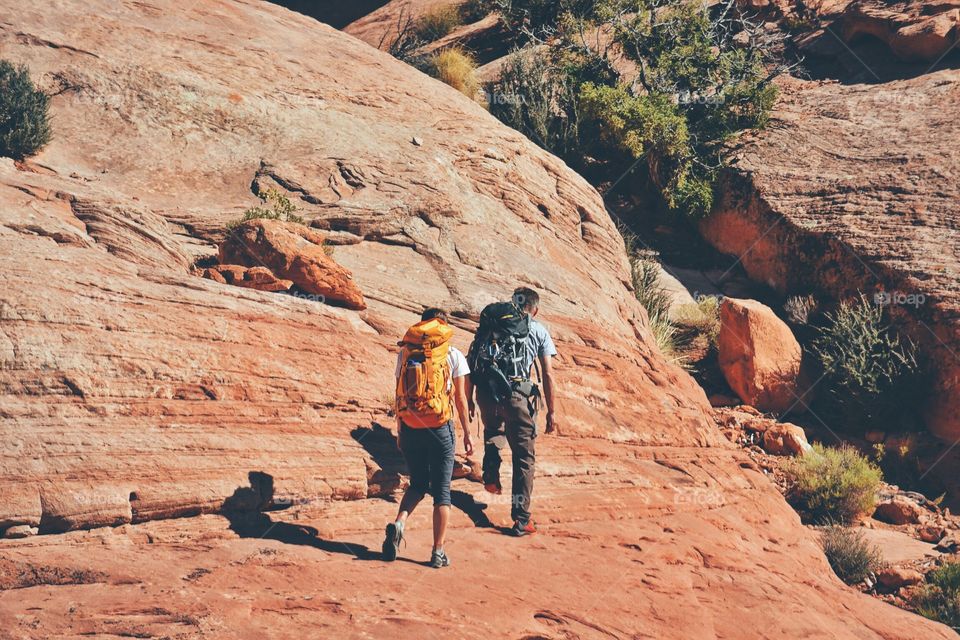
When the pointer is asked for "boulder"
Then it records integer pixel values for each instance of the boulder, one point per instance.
(20, 531)
(931, 533)
(785, 439)
(893, 578)
(292, 252)
(759, 356)
(898, 511)
(259, 278)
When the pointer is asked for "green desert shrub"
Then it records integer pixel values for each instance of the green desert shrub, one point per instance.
(832, 485)
(939, 598)
(871, 377)
(438, 22)
(275, 206)
(473, 10)
(538, 100)
(849, 553)
(456, 67)
(24, 113)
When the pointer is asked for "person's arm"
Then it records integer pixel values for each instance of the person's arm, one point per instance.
(460, 399)
(548, 389)
(471, 403)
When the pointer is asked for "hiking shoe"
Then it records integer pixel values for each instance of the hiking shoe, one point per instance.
(521, 529)
(391, 541)
(439, 559)
(493, 487)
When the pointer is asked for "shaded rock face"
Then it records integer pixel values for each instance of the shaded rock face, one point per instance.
(914, 31)
(291, 252)
(133, 390)
(759, 356)
(854, 188)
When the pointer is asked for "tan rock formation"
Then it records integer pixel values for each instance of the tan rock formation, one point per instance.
(132, 390)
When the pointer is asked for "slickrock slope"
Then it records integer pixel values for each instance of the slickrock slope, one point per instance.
(856, 187)
(132, 390)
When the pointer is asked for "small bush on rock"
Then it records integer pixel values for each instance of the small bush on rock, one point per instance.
(832, 485)
(279, 208)
(24, 113)
(456, 67)
(939, 598)
(871, 377)
(438, 23)
(850, 555)
(538, 101)
(655, 299)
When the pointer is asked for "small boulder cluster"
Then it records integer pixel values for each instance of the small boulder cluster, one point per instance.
(276, 255)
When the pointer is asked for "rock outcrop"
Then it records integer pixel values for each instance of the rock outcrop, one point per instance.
(759, 356)
(292, 252)
(854, 188)
(132, 390)
(913, 30)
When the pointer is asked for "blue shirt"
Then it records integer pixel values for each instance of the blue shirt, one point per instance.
(539, 343)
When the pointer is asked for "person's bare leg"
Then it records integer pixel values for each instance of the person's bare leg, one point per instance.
(441, 514)
(409, 502)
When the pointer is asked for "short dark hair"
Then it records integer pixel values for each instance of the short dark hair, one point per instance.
(433, 312)
(526, 298)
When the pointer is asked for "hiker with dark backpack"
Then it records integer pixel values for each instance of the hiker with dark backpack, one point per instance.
(431, 379)
(508, 347)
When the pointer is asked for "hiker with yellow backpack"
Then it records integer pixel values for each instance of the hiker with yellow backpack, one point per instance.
(431, 379)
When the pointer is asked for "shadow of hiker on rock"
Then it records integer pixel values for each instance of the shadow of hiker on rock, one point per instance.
(245, 512)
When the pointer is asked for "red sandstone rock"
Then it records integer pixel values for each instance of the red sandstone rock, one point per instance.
(132, 390)
(292, 252)
(759, 356)
(914, 30)
(898, 511)
(785, 439)
(897, 577)
(854, 188)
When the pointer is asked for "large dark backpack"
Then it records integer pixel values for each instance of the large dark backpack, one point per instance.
(497, 352)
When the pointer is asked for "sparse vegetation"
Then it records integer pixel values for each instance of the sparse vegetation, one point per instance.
(800, 309)
(438, 22)
(276, 207)
(939, 598)
(702, 318)
(654, 298)
(703, 74)
(24, 113)
(850, 555)
(870, 376)
(455, 67)
(539, 101)
(832, 485)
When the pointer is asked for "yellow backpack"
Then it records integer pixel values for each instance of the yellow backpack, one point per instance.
(423, 399)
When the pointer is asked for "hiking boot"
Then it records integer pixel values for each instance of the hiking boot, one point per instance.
(493, 487)
(391, 541)
(439, 559)
(521, 529)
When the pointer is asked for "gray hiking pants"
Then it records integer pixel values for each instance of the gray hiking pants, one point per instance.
(513, 420)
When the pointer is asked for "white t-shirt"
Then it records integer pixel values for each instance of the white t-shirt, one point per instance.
(456, 360)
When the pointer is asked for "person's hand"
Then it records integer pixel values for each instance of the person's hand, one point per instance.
(471, 409)
(467, 443)
(551, 423)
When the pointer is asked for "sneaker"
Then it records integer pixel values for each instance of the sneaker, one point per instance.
(493, 487)
(521, 529)
(439, 559)
(391, 541)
